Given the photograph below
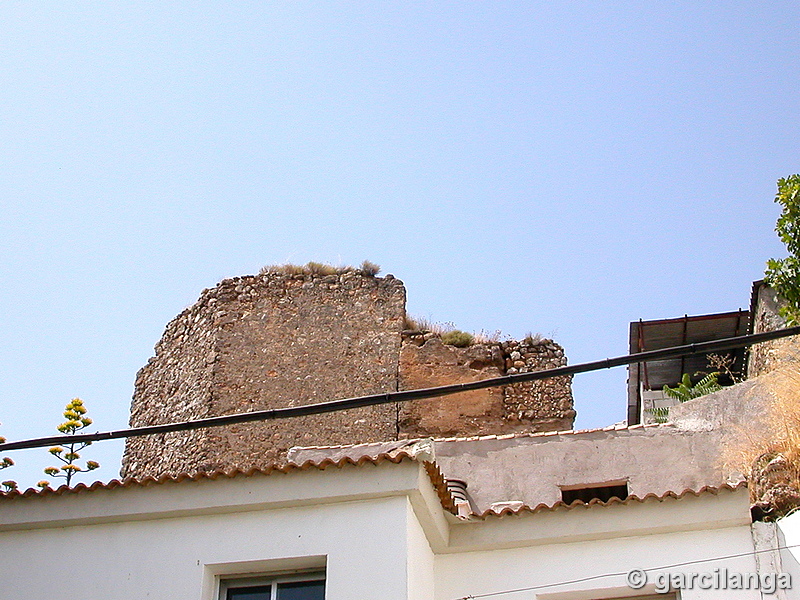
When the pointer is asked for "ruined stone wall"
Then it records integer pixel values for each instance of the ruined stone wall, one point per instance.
(430, 363)
(263, 342)
(523, 407)
(547, 404)
(767, 356)
(279, 339)
(175, 385)
(293, 341)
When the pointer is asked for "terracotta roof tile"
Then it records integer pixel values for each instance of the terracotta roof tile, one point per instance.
(397, 456)
(568, 432)
(397, 453)
(597, 502)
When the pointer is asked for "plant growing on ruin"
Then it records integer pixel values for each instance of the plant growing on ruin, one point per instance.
(6, 462)
(370, 268)
(723, 364)
(784, 274)
(448, 334)
(425, 325)
(68, 454)
(685, 391)
(487, 337)
(533, 339)
(317, 268)
(775, 440)
(287, 269)
(458, 338)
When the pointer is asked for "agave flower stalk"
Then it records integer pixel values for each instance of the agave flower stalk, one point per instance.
(6, 462)
(69, 453)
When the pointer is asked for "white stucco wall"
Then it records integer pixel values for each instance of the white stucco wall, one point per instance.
(420, 560)
(178, 558)
(466, 574)
(175, 540)
(378, 531)
(789, 539)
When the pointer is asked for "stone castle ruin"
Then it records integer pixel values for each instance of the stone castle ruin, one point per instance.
(284, 338)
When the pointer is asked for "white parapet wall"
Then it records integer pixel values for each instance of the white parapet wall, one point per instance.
(789, 538)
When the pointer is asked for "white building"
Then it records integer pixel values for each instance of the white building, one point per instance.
(379, 522)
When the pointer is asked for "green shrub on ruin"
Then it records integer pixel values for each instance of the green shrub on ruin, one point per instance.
(458, 338)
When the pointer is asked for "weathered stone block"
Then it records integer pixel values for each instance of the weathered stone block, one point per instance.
(467, 413)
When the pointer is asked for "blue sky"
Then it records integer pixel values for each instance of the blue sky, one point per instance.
(562, 168)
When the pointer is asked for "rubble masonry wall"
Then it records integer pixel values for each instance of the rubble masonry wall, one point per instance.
(275, 340)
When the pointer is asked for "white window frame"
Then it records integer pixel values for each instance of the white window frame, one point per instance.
(244, 581)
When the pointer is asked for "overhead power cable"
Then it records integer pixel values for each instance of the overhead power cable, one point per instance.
(623, 573)
(405, 396)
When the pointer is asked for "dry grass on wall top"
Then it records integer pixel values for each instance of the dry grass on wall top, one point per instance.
(770, 456)
(424, 325)
(367, 268)
(451, 336)
(445, 331)
(532, 339)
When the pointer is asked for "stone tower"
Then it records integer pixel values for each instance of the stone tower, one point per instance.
(290, 338)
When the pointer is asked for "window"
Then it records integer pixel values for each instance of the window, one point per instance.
(603, 492)
(304, 587)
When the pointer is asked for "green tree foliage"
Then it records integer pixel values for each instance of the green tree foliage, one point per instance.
(6, 462)
(686, 391)
(784, 274)
(76, 420)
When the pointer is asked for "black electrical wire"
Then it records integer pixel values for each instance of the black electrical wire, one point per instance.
(404, 396)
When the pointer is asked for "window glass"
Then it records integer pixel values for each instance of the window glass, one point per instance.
(302, 590)
(261, 592)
